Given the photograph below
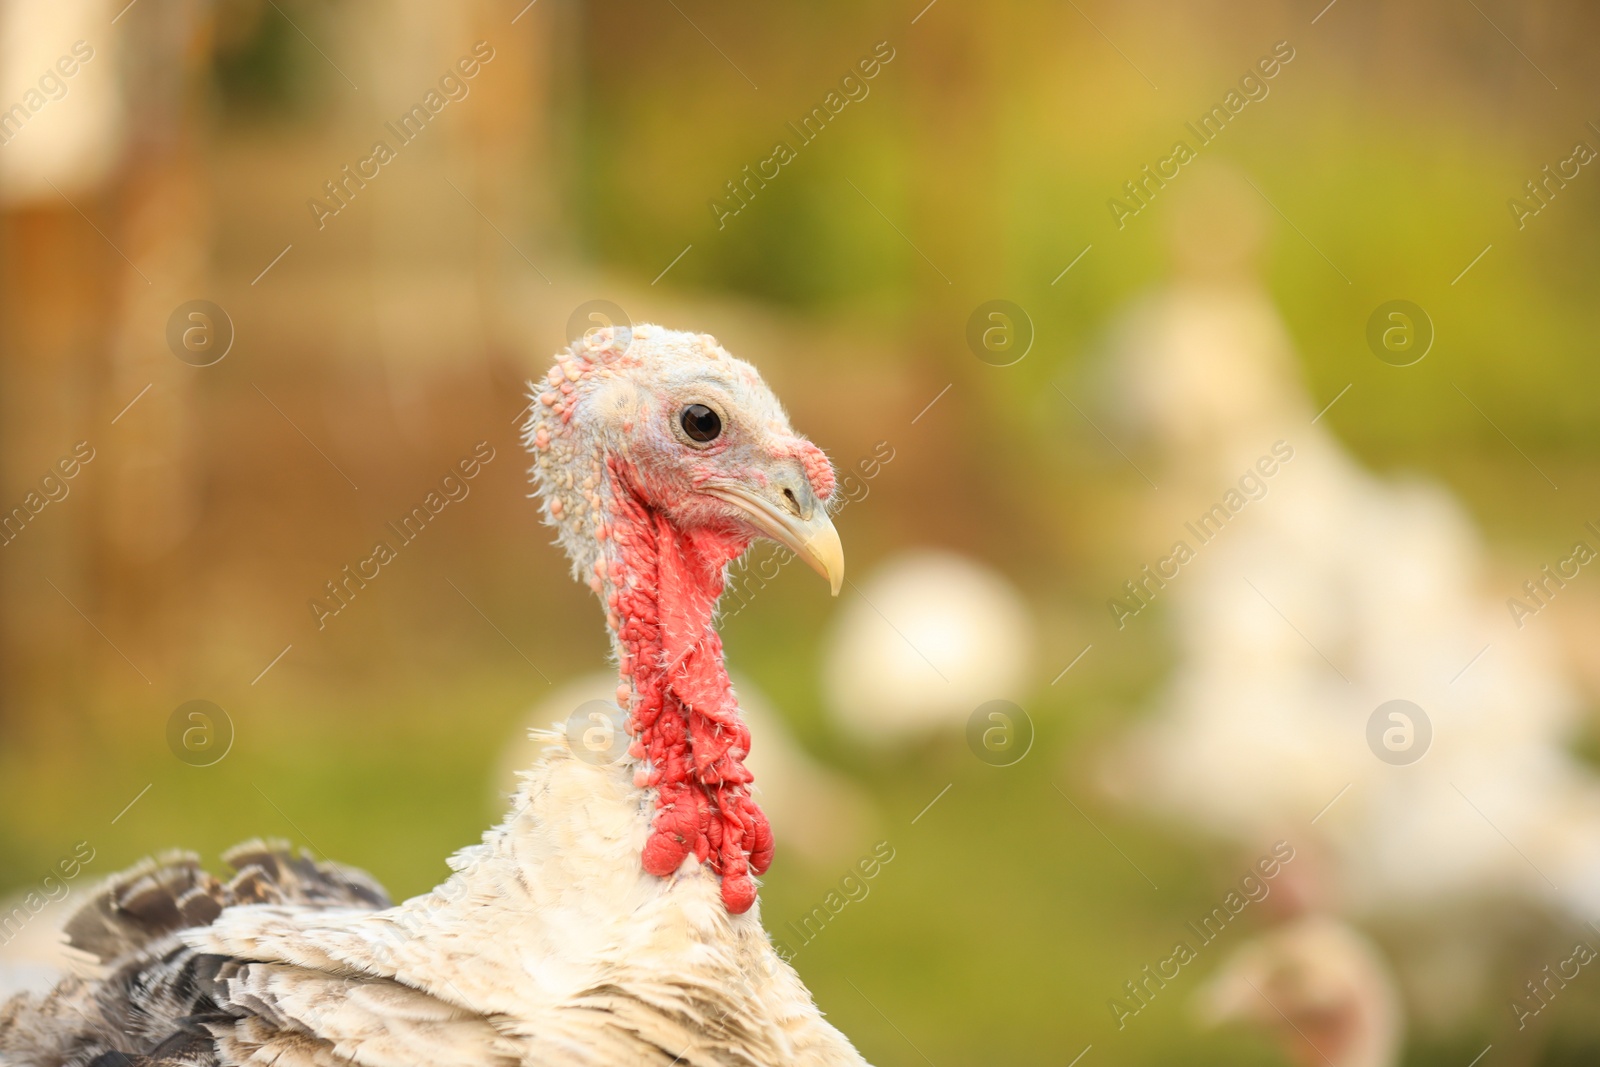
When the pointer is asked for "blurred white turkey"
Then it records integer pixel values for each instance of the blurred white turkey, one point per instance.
(1320, 987)
(928, 637)
(823, 816)
(611, 917)
(1333, 593)
(33, 953)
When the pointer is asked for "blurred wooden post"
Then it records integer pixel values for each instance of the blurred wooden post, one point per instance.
(441, 278)
(103, 227)
(163, 219)
(57, 277)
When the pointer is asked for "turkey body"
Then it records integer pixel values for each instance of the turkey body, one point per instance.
(547, 945)
(1265, 720)
(610, 918)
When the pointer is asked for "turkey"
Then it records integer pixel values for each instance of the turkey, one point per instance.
(932, 636)
(1316, 594)
(611, 917)
(1320, 987)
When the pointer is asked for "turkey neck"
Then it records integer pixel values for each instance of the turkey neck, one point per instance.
(660, 587)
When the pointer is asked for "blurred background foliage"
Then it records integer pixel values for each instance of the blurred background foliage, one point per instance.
(398, 335)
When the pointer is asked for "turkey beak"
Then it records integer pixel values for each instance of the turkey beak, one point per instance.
(792, 516)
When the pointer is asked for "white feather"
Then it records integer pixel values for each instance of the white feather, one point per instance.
(550, 933)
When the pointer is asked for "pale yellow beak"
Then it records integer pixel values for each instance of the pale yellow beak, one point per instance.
(813, 540)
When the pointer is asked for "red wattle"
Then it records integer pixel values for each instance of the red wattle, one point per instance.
(683, 711)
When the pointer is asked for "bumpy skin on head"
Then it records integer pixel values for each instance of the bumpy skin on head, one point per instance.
(623, 485)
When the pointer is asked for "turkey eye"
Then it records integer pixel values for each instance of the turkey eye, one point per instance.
(701, 423)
